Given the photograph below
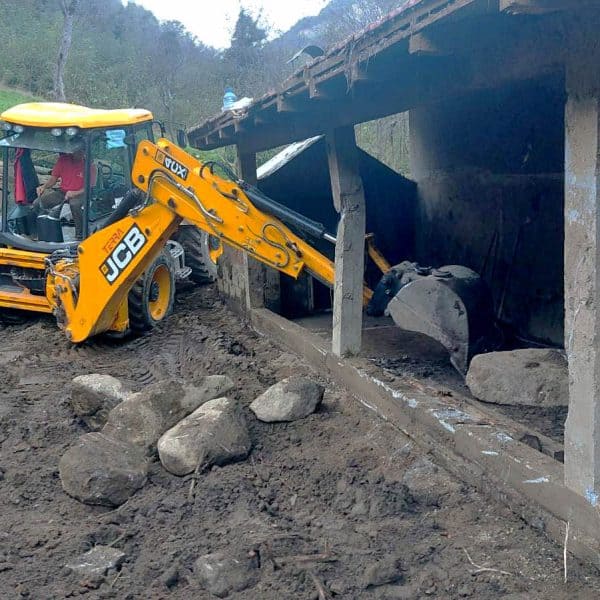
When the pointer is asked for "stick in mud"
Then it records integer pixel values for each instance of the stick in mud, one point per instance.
(480, 569)
(323, 594)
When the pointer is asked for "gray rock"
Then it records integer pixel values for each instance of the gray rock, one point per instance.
(387, 570)
(531, 377)
(145, 416)
(222, 575)
(214, 434)
(93, 396)
(101, 470)
(97, 561)
(290, 399)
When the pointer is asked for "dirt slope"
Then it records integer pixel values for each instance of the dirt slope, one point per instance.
(339, 484)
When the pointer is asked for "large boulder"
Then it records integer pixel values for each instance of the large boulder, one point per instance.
(143, 417)
(93, 396)
(101, 470)
(214, 434)
(530, 377)
(222, 575)
(290, 399)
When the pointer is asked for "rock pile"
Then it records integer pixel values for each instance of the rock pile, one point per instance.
(191, 427)
(107, 467)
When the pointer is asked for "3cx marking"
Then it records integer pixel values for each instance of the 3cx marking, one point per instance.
(133, 241)
(170, 163)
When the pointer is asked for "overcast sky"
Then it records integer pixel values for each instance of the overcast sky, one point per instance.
(212, 21)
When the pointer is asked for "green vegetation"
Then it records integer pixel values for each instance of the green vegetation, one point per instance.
(9, 98)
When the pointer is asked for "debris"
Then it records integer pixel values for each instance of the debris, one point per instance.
(530, 377)
(323, 594)
(145, 416)
(482, 569)
(101, 470)
(290, 399)
(565, 549)
(96, 562)
(93, 396)
(221, 575)
(214, 434)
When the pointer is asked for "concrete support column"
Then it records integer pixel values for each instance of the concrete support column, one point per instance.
(349, 201)
(582, 270)
(246, 282)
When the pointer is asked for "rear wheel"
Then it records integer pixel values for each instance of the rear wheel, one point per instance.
(201, 252)
(151, 298)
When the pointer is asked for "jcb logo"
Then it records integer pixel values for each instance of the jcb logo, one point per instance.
(172, 165)
(133, 241)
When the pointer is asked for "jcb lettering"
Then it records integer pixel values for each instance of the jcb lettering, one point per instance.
(122, 256)
(110, 270)
(133, 241)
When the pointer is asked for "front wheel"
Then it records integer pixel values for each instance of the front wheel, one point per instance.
(151, 298)
(201, 252)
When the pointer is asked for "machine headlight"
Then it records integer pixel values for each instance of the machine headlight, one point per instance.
(18, 128)
(71, 131)
(6, 126)
(56, 131)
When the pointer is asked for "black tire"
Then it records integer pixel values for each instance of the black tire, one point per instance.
(151, 298)
(196, 244)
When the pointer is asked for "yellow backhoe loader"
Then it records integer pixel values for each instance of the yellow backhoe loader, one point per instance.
(153, 213)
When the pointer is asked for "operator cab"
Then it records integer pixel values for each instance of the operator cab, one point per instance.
(98, 146)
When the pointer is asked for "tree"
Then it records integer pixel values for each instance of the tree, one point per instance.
(247, 40)
(69, 8)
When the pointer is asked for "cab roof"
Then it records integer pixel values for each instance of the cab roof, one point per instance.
(56, 114)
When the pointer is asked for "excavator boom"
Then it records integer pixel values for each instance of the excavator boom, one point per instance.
(175, 179)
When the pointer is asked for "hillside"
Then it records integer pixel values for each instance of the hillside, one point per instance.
(123, 56)
(339, 19)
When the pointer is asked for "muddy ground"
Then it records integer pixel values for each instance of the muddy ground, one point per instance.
(340, 485)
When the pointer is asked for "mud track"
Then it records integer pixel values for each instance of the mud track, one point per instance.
(339, 484)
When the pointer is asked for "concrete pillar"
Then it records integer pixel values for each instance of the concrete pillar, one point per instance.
(349, 201)
(246, 282)
(582, 270)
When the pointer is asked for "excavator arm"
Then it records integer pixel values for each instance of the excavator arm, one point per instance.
(175, 179)
(89, 291)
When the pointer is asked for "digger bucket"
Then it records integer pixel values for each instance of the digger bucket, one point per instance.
(451, 305)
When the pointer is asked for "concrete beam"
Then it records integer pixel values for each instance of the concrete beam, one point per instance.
(349, 201)
(262, 287)
(582, 268)
(245, 282)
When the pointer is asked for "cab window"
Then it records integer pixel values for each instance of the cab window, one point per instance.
(110, 154)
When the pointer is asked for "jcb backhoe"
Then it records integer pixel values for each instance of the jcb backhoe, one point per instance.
(153, 213)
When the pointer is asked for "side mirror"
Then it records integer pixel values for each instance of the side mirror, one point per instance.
(182, 140)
